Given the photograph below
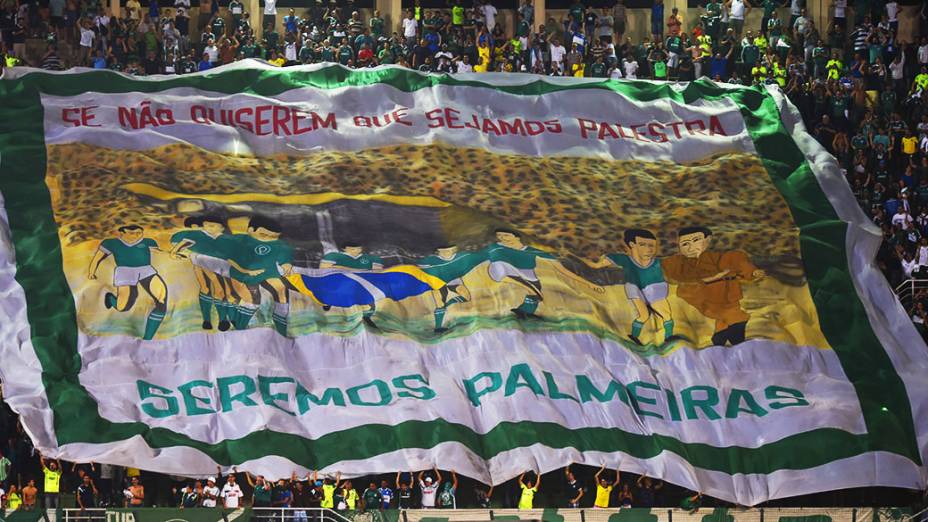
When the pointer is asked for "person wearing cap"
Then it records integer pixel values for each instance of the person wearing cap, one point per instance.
(429, 488)
(328, 489)
(210, 493)
(314, 495)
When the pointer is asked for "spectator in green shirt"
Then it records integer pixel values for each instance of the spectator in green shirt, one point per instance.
(262, 490)
(376, 25)
(691, 503)
(597, 69)
(770, 6)
(819, 59)
(345, 52)
(307, 52)
(271, 38)
(371, 499)
(774, 29)
(217, 25)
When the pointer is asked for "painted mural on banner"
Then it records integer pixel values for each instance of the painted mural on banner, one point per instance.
(366, 271)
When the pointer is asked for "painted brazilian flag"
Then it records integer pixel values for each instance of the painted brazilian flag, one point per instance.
(374, 270)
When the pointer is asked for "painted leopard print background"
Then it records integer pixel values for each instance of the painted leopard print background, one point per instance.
(561, 203)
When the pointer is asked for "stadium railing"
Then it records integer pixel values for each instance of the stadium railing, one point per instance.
(908, 289)
(489, 515)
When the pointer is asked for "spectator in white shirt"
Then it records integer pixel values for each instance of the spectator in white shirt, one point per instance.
(922, 257)
(429, 488)
(231, 493)
(210, 493)
(102, 22)
(923, 51)
(86, 43)
(897, 67)
(840, 13)
(463, 65)
(290, 51)
(892, 13)
(270, 13)
(212, 52)
(489, 15)
(410, 26)
(557, 57)
(630, 65)
(908, 265)
(901, 218)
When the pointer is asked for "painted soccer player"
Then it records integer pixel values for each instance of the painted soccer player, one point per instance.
(449, 265)
(353, 257)
(259, 259)
(645, 285)
(207, 243)
(711, 282)
(132, 254)
(513, 261)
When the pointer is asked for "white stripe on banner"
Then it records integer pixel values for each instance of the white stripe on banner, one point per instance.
(670, 131)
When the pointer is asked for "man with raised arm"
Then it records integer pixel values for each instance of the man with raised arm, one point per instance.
(574, 489)
(429, 488)
(527, 500)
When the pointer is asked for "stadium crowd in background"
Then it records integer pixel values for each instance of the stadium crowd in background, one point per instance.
(587, 41)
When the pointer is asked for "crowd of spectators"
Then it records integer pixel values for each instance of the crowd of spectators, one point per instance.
(586, 41)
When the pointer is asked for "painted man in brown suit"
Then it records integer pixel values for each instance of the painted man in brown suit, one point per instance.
(711, 282)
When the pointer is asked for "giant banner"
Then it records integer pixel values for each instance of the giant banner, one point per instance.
(380, 270)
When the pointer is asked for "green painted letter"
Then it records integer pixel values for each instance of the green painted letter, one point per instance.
(734, 404)
(470, 385)
(588, 391)
(416, 392)
(637, 400)
(520, 376)
(690, 403)
(148, 390)
(191, 401)
(271, 399)
(784, 397)
(354, 394)
(330, 395)
(226, 397)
